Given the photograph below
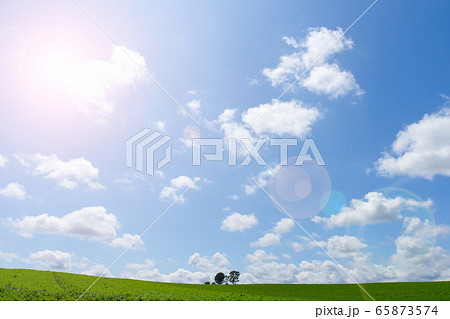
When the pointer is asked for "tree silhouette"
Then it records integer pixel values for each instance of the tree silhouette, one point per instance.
(233, 277)
(219, 278)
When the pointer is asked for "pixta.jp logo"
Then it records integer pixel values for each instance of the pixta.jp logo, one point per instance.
(141, 148)
(142, 151)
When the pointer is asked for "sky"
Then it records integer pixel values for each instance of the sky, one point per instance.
(78, 79)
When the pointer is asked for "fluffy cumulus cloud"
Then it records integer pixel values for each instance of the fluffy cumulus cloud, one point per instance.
(321, 271)
(373, 209)
(262, 179)
(53, 259)
(92, 85)
(316, 50)
(305, 243)
(209, 266)
(8, 257)
(268, 239)
(415, 259)
(69, 174)
(126, 241)
(273, 237)
(284, 226)
(415, 246)
(135, 266)
(344, 246)
(238, 222)
(160, 125)
(98, 270)
(306, 272)
(177, 186)
(91, 222)
(270, 272)
(421, 149)
(260, 256)
(328, 79)
(277, 118)
(14, 190)
(194, 106)
(3, 160)
(217, 262)
(282, 119)
(148, 271)
(232, 128)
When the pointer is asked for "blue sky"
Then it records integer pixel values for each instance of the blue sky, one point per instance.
(375, 104)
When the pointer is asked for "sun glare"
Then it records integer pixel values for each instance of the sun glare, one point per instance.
(49, 63)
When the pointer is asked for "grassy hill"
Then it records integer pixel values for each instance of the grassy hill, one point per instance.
(23, 284)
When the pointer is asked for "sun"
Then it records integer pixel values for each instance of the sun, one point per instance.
(49, 63)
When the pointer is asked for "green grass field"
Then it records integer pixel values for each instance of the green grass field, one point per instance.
(23, 284)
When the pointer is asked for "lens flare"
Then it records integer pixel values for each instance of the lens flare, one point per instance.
(300, 189)
(331, 202)
(49, 65)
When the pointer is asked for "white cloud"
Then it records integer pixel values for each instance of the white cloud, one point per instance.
(415, 258)
(373, 209)
(186, 276)
(126, 241)
(298, 247)
(238, 222)
(318, 271)
(281, 118)
(262, 178)
(324, 78)
(3, 160)
(177, 186)
(269, 239)
(329, 79)
(416, 243)
(306, 243)
(98, 270)
(92, 222)
(179, 276)
(271, 119)
(53, 259)
(91, 86)
(194, 106)
(148, 264)
(8, 257)
(218, 262)
(271, 272)
(14, 190)
(160, 125)
(421, 149)
(69, 175)
(190, 133)
(314, 272)
(344, 246)
(284, 226)
(318, 41)
(260, 256)
(233, 129)
(210, 265)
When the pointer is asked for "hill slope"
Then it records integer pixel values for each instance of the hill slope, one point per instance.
(23, 284)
